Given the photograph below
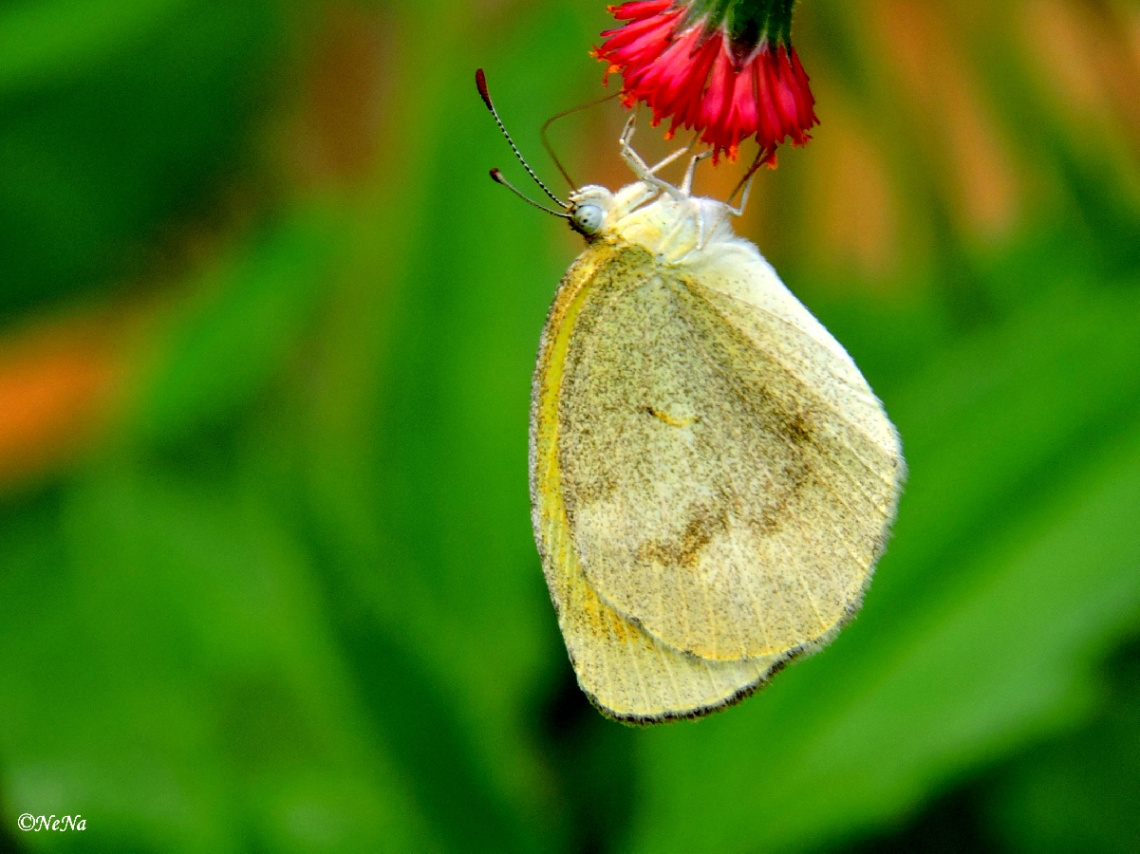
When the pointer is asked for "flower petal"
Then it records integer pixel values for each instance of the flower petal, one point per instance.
(700, 79)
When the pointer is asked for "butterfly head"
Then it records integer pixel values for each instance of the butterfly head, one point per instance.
(595, 210)
(590, 208)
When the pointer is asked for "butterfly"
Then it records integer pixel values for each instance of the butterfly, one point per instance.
(712, 480)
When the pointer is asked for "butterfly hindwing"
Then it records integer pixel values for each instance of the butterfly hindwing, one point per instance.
(628, 673)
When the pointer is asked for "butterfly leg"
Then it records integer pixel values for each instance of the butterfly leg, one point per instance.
(643, 173)
(764, 157)
(639, 167)
(626, 142)
(700, 244)
(666, 253)
(676, 155)
(739, 210)
(676, 240)
(630, 127)
(687, 184)
(679, 153)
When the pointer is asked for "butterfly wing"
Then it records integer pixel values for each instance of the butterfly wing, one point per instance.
(629, 674)
(726, 476)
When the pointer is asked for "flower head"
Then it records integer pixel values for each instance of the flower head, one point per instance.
(725, 69)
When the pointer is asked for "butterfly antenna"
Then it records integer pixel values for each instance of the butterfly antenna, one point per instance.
(498, 178)
(546, 140)
(481, 84)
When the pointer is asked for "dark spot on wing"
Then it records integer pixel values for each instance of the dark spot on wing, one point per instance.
(797, 430)
(671, 420)
(686, 549)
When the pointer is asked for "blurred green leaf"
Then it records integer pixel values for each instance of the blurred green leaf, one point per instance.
(94, 166)
(1079, 793)
(169, 674)
(249, 313)
(45, 39)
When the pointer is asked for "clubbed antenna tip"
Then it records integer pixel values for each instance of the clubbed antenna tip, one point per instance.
(481, 85)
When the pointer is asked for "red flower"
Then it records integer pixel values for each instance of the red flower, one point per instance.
(730, 75)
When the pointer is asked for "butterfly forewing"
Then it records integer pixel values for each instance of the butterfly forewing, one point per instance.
(715, 494)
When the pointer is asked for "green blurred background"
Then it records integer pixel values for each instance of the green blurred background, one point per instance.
(267, 580)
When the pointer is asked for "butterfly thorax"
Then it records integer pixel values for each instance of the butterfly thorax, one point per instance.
(674, 226)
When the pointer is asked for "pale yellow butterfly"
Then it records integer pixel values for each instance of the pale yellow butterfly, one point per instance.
(712, 480)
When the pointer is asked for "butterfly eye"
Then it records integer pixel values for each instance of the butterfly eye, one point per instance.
(587, 219)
